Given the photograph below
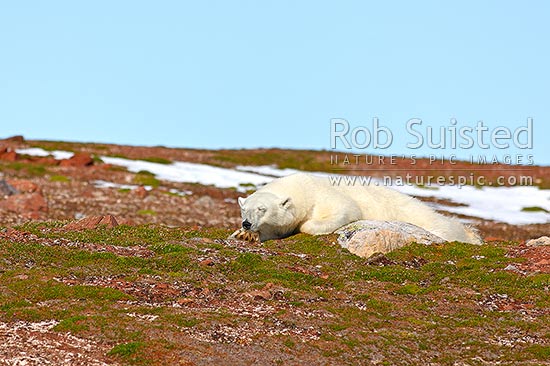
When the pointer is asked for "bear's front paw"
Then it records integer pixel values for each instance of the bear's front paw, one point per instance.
(245, 235)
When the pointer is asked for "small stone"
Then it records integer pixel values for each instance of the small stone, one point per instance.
(92, 222)
(206, 262)
(205, 202)
(6, 189)
(185, 301)
(259, 295)
(141, 192)
(24, 186)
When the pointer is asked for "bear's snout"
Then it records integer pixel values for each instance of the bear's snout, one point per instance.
(247, 225)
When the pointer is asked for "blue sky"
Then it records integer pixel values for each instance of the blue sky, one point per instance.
(271, 73)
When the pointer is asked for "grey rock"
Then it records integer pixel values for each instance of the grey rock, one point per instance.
(543, 240)
(6, 189)
(204, 202)
(366, 237)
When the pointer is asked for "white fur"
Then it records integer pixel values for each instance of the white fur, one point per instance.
(310, 204)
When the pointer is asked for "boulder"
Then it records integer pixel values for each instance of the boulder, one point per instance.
(16, 138)
(24, 186)
(78, 160)
(45, 160)
(7, 189)
(8, 156)
(367, 237)
(25, 203)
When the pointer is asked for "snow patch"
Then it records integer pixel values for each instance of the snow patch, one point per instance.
(36, 151)
(105, 184)
(193, 173)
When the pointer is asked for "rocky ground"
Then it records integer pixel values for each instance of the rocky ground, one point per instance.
(148, 277)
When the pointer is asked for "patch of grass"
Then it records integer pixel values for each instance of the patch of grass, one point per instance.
(146, 172)
(379, 305)
(61, 291)
(122, 235)
(296, 159)
(337, 327)
(10, 306)
(97, 159)
(394, 274)
(56, 145)
(157, 160)
(534, 209)
(25, 169)
(165, 248)
(116, 168)
(128, 352)
(540, 352)
(253, 268)
(59, 178)
(289, 343)
(146, 179)
(182, 321)
(73, 324)
(409, 289)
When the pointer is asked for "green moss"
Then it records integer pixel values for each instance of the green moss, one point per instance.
(539, 351)
(534, 209)
(126, 351)
(145, 172)
(59, 178)
(24, 169)
(10, 306)
(289, 343)
(409, 289)
(337, 327)
(73, 324)
(97, 159)
(165, 248)
(146, 179)
(157, 160)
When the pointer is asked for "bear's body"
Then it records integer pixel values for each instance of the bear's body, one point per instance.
(305, 203)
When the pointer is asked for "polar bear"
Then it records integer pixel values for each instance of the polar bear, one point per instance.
(310, 204)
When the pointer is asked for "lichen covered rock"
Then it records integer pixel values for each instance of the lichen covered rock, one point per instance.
(366, 237)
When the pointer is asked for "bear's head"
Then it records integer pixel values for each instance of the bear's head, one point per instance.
(272, 217)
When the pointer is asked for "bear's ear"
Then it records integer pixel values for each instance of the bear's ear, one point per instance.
(241, 201)
(285, 203)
